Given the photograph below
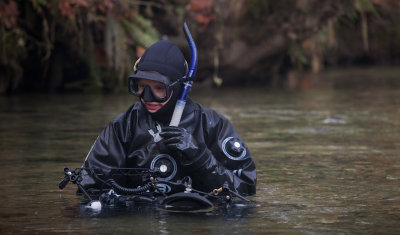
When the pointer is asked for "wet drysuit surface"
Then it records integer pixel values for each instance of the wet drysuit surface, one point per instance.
(128, 142)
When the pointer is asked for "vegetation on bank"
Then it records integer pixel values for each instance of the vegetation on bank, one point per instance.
(52, 45)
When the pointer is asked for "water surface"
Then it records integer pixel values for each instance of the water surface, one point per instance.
(327, 161)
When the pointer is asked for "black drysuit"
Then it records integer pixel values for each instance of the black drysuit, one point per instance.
(222, 160)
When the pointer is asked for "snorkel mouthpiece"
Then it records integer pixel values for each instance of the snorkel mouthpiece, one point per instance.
(180, 104)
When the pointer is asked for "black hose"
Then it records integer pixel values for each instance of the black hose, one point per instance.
(124, 190)
(64, 182)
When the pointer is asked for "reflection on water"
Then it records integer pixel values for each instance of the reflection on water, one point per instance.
(328, 162)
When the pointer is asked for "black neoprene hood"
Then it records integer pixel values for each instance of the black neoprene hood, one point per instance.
(163, 57)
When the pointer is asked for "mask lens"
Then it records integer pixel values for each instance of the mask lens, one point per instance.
(134, 87)
(158, 89)
(145, 88)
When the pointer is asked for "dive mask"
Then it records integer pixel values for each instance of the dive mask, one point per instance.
(159, 92)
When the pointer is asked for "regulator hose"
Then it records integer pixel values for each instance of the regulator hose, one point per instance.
(124, 190)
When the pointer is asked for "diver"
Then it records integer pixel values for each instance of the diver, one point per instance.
(204, 147)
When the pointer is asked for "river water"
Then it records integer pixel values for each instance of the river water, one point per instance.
(328, 161)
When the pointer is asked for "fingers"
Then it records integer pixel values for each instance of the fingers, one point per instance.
(171, 131)
(172, 140)
(168, 135)
(173, 137)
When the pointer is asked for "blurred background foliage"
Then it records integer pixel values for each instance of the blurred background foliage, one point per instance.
(91, 45)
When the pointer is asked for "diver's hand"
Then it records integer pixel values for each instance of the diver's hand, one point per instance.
(179, 139)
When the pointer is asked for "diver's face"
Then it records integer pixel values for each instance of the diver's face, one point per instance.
(158, 89)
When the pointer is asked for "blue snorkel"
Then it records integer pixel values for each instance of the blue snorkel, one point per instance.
(180, 104)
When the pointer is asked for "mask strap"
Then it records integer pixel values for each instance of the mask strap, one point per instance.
(137, 62)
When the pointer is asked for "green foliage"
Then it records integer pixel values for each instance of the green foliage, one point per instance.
(367, 4)
(258, 9)
(352, 15)
(98, 40)
(140, 30)
(298, 55)
(12, 50)
(101, 34)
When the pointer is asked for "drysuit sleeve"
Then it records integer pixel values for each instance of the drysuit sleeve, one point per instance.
(223, 159)
(108, 151)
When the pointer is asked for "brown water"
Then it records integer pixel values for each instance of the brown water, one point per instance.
(328, 162)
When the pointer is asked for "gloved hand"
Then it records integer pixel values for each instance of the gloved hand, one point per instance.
(179, 139)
